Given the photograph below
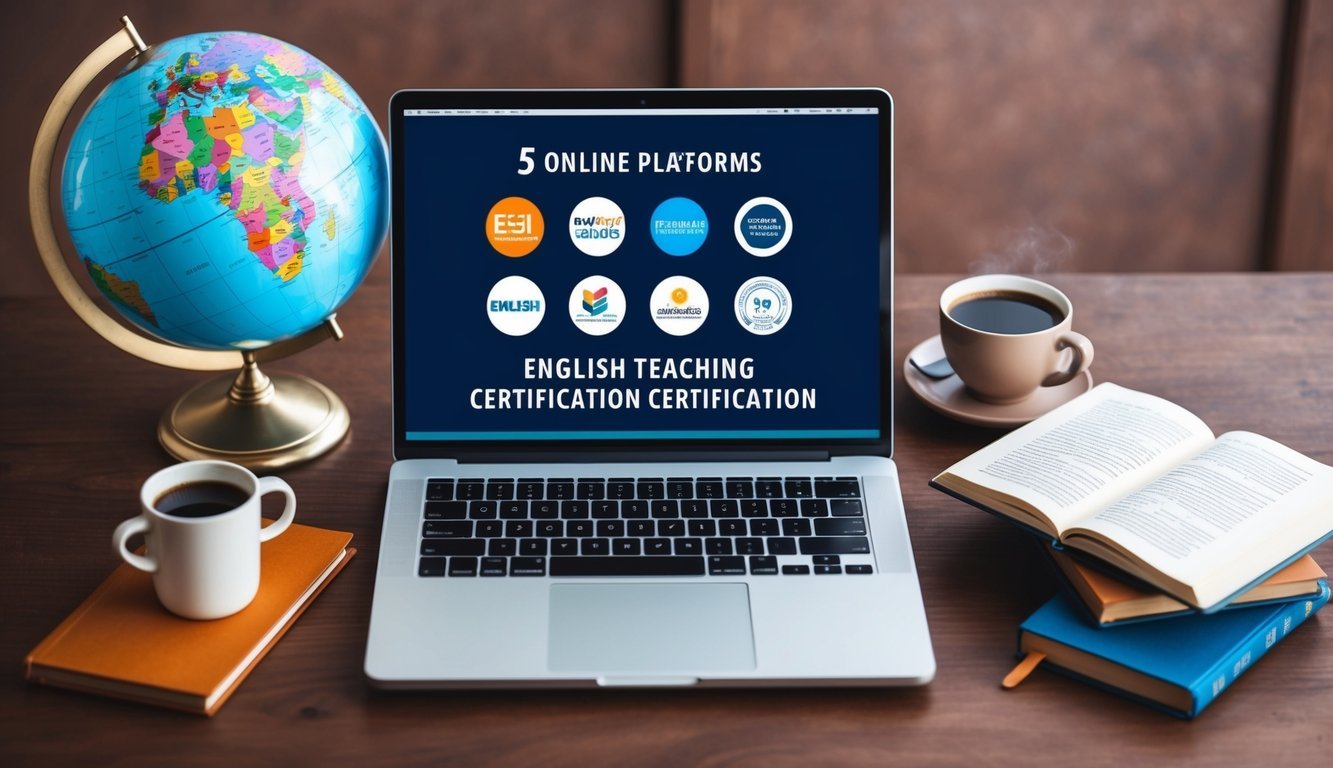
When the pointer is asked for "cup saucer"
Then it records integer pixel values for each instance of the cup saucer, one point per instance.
(951, 398)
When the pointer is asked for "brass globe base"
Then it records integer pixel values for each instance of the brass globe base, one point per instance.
(254, 420)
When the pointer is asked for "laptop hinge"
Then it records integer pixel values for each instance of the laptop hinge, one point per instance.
(623, 456)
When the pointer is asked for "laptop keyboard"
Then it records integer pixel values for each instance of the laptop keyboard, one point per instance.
(644, 526)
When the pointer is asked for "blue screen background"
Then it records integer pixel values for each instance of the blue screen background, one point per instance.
(823, 168)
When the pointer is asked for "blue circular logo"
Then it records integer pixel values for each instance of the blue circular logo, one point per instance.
(763, 226)
(679, 226)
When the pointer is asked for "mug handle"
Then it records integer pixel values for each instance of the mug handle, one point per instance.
(128, 528)
(269, 485)
(1081, 350)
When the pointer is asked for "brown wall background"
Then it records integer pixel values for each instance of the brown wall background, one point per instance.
(1032, 135)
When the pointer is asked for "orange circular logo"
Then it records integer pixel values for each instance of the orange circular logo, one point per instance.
(514, 226)
(680, 296)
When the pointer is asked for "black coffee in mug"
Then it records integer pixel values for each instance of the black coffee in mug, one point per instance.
(1010, 312)
(202, 499)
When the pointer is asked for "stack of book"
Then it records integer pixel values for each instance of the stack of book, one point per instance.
(1186, 555)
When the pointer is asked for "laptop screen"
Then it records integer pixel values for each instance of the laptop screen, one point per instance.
(665, 272)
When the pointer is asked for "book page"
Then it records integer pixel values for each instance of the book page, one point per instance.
(1085, 454)
(1225, 517)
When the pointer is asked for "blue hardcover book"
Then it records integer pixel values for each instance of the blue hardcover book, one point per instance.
(1177, 665)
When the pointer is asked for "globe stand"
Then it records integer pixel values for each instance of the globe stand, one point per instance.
(253, 419)
(250, 418)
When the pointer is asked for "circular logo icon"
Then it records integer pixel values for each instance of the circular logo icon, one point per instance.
(763, 305)
(679, 305)
(679, 226)
(515, 306)
(597, 226)
(597, 305)
(515, 227)
(763, 226)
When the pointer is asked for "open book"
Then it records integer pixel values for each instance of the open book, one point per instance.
(1144, 485)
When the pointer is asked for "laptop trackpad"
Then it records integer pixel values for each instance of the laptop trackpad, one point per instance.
(650, 628)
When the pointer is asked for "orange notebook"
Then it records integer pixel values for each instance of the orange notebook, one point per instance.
(121, 642)
(1111, 600)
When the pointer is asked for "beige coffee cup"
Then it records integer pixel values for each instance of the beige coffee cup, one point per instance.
(202, 531)
(1017, 355)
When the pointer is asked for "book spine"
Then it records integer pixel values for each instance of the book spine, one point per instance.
(1229, 669)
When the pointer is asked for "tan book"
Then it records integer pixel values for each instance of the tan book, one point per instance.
(1143, 484)
(1113, 600)
(121, 642)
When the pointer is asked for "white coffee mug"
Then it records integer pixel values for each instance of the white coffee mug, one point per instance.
(204, 567)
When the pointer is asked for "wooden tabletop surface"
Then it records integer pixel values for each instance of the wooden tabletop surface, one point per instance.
(1251, 351)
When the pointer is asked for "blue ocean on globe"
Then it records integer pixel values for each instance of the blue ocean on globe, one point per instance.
(226, 191)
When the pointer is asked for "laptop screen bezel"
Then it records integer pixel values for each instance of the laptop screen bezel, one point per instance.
(640, 449)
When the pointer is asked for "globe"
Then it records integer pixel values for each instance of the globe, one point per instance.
(226, 191)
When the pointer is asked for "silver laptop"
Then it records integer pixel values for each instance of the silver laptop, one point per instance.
(642, 394)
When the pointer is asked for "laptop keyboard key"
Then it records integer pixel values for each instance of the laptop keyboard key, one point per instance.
(611, 529)
(835, 545)
(797, 526)
(694, 508)
(483, 510)
(840, 526)
(470, 489)
(494, 566)
(531, 547)
(447, 529)
(679, 488)
(574, 510)
(703, 527)
(519, 529)
(657, 546)
(550, 528)
(823, 570)
(723, 565)
(431, 566)
(732, 528)
(862, 569)
(784, 508)
(670, 527)
(560, 489)
(642, 528)
(564, 546)
(634, 509)
(591, 488)
(795, 570)
(768, 487)
(782, 545)
(596, 547)
(462, 566)
(718, 546)
(503, 548)
(489, 529)
(709, 488)
(651, 488)
(749, 546)
(626, 547)
(579, 528)
(513, 510)
(604, 510)
(665, 508)
(544, 510)
(439, 490)
(841, 488)
(814, 507)
(764, 527)
(466, 547)
(846, 508)
(620, 488)
(724, 508)
(527, 566)
(530, 488)
(627, 566)
(798, 488)
(446, 510)
(740, 487)
(764, 566)
(500, 490)
(689, 546)
(754, 508)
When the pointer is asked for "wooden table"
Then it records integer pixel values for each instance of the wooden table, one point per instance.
(77, 418)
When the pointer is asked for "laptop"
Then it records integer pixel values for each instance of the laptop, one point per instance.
(642, 394)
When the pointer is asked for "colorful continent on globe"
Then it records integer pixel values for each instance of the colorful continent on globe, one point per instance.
(231, 122)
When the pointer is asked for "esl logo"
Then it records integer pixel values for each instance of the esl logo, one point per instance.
(597, 226)
(515, 306)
